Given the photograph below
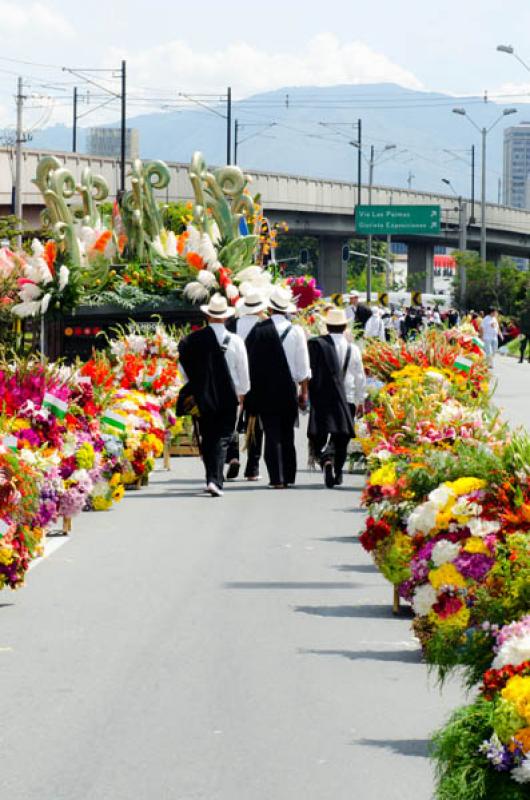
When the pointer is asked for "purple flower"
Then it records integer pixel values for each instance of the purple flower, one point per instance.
(473, 565)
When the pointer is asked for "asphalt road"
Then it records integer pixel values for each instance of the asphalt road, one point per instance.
(183, 647)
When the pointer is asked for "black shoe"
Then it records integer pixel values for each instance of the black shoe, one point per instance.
(233, 471)
(339, 479)
(329, 478)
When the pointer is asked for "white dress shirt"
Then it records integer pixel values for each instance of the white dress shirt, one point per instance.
(374, 328)
(490, 328)
(245, 324)
(295, 348)
(236, 357)
(355, 379)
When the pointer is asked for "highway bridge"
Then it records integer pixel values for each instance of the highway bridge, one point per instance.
(310, 206)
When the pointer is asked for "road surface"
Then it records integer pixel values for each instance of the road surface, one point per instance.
(182, 647)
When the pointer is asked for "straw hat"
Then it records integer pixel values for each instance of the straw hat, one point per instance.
(218, 307)
(281, 299)
(251, 303)
(336, 316)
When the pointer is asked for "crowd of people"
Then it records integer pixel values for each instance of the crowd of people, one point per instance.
(251, 371)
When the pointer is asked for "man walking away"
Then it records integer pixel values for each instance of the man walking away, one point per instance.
(336, 391)
(250, 309)
(215, 364)
(357, 313)
(279, 363)
(375, 328)
(525, 331)
(490, 334)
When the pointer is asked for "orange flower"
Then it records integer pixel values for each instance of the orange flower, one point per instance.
(122, 241)
(102, 242)
(195, 261)
(50, 254)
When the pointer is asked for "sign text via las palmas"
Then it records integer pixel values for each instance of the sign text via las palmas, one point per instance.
(387, 220)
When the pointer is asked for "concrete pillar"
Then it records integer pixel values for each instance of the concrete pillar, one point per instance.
(421, 266)
(493, 254)
(332, 271)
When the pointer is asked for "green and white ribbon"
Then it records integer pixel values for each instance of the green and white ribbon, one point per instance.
(114, 420)
(478, 342)
(463, 364)
(54, 404)
(11, 442)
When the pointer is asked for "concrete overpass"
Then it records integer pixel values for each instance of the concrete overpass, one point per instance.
(310, 206)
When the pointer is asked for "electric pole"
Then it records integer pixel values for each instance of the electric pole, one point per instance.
(229, 125)
(123, 124)
(18, 159)
(74, 129)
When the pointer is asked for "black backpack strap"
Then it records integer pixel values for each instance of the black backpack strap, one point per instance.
(285, 333)
(226, 341)
(346, 362)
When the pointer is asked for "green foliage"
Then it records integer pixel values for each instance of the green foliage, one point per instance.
(461, 772)
(126, 296)
(449, 648)
(176, 216)
(502, 286)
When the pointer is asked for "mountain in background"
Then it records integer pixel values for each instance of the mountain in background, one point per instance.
(307, 131)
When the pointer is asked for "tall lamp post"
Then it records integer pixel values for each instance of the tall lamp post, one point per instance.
(483, 132)
(462, 237)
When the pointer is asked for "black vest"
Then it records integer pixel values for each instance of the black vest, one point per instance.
(272, 389)
(210, 381)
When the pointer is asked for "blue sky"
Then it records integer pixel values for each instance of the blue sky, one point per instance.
(449, 46)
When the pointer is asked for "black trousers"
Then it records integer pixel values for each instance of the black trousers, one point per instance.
(254, 450)
(525, 340)
(215, 438)
(280, 452)
(332, 446)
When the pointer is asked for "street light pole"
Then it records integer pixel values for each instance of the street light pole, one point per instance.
(369, 247)
(483, 132)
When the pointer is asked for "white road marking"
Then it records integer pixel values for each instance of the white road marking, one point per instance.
(51, 545)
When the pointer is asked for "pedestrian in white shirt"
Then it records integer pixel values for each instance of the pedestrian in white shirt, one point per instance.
(336, 389)
(374, 328)
(491, 333)
(215, 364)
(279, 373)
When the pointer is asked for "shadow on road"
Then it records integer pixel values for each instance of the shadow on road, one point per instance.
(400, 656)
(364, 611)
(367, 568)
(418, 748)
(339, 539)
(290, 585)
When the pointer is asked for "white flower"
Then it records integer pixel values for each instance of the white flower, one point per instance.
(424, 599)
(231, 291)
(521, 774)
(195, 292)
(382, 455)
(37, 248)
(207, 278)
(422, 519)
(514, 651)
(64, 274)
(207, 251)
(441, 496)
(194, 239)
(444, 551)
(29, 291)
(45, 302)
(482, 527)
(26, 309)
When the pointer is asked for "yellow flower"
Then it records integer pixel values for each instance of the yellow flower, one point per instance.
(20, 425)
(458, 620)
(476, 545)
(384, 476)
(118, 493)
(466, 485)
(6, 556)
(446, 575)
(115, 480)
(521, 739)
(100, 503)
(128, 477)
(517, 692)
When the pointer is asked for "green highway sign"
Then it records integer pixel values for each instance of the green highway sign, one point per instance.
(387, 220)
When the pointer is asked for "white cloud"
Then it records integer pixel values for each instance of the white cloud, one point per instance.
(35, 17)
(322, 61)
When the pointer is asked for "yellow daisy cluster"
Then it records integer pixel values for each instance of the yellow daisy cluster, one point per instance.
(517, 692)
(85, 456)
(446, 575)
(384, 476)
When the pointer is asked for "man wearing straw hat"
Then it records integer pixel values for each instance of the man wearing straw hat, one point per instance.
(250, 309)
(216, 366)
(336, 390)
(279, 367)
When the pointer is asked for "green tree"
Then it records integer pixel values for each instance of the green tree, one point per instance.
(488, 284)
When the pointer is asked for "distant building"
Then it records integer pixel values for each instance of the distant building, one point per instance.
(516, 166)
(107, 142)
